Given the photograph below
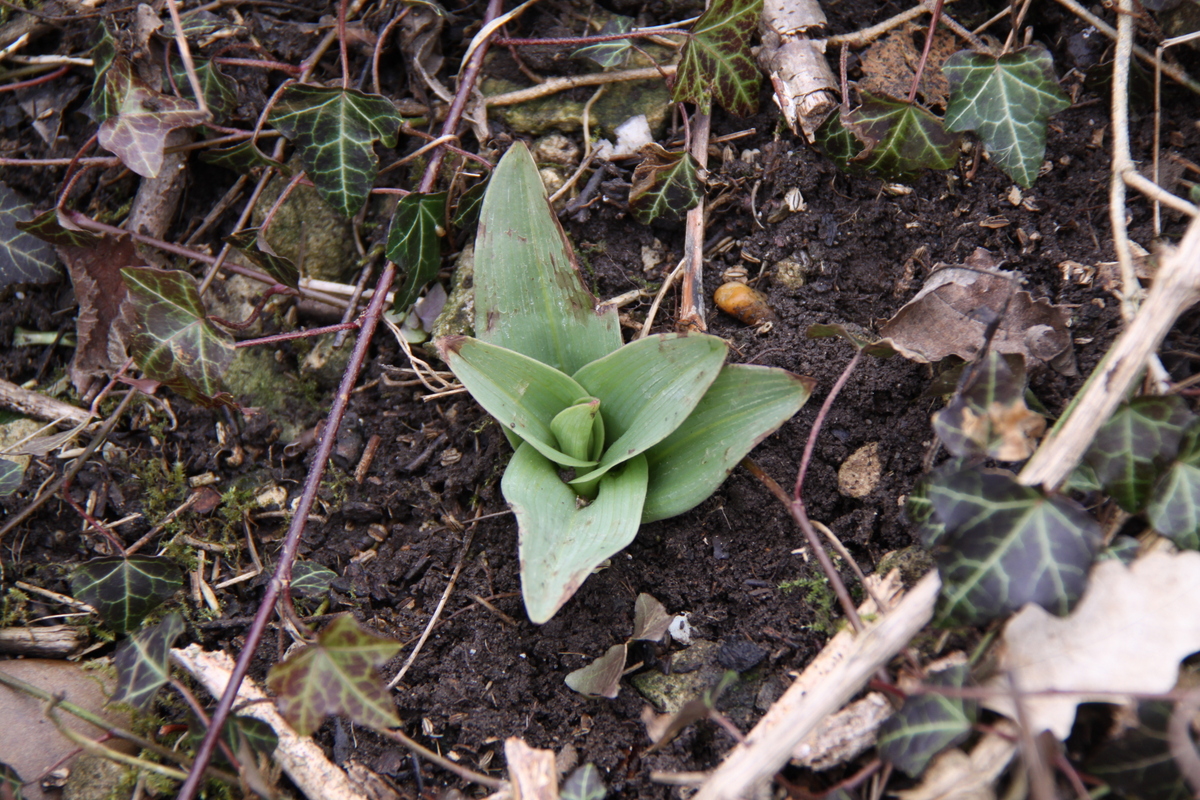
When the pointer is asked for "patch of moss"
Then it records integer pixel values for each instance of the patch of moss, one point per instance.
(820, 597)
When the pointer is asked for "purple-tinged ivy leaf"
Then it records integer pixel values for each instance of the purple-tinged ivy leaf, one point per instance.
(55, 228)
(717, 63)
(142, 664)
(24, 258)
(124, 590)
(250, 243)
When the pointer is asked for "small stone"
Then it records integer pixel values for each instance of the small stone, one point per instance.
(860, 473)
(741, 655)
(556, 148)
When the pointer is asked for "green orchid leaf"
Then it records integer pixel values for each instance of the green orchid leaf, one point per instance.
(1006, 101)
(530, 298)
(176, 344)
(124, 590)
(1138, 762)
(250, 242)
(1174, 508)
(337, 675)
(744, 405)
(218, 91)
(310, 579)
(927, 724)
(142, 662)
(602, 677)
(561, 542)
(609, 54)
(717, 62)
(584, 783)
(868, 346)
(647, 389)
(24, 258)
(988, 415)
(55, 228)
(334, 131)
(470, 203)
(901, 139)
(650, 619)
(524, 395)
(242, 157)
(665, 185)
(1007, 545)
(11, 475)
(137, 132)
(574, 428)
(414, 243)
(1136, 446)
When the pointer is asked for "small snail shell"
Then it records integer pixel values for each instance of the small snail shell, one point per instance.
(746, 304)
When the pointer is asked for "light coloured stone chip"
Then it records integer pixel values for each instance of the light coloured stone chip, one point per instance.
(860, 473)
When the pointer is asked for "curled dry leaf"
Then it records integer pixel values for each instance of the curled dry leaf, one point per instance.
(889, 65)
(951, 314)
(1128, 634)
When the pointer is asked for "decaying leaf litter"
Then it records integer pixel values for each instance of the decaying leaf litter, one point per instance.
(847, 252)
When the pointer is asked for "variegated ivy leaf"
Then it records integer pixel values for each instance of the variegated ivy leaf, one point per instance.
(1174, 508)
(928, 723)
(900, 140)
(218, 90)
(142, 664)
(584, 783)
(1136, 446)
(124, 590)
(11, 475)
(1007, 102)
(176, 345)
(24, 258)
(336, 675)
(55, 228)
(137, 132)
(609, 54)
(310, 579)
(717, 63)
(415, 243)
(335, 131)
(665, 185)
(250, 242)
(1007, 545)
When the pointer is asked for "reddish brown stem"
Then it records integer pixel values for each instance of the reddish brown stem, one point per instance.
(935, 14)
(49, 76)
(579, 41)
(259, 63)
(283, 337)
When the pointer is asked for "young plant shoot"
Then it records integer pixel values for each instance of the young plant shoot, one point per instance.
(607, 436)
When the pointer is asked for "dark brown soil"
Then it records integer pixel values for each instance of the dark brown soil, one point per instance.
(485, 675)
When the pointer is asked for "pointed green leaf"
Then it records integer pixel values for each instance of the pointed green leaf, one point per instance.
(602, 677)
(744, 405)
(665, 185)
(337, 675)
(585, 783)
(238, 729)
(54, 227)
(871, 348)
(988, 415)
(250, 243)
(838, 144)
(561, 542)
(124, 590)
(100, 104)
(1136, 446)
(1174, 509)
(177, 345)
(242, 157)
(142, 662)
(1006, 101)
(24, 258)
(334, 131)
(466, 212)
(650, 619)
(1007, 545)
(310, 579)
(575, 427)
(530, 297)
(218, 91)
(137, 134)
(1139, 763)
(902, 139)
(11, 475)
(415, 243)
(717, 62)
(609, 54)
(523, 395)
(927, 724)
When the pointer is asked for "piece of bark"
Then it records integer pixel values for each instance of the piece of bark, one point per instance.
(40, 406)
(806, 90)
(50, 641)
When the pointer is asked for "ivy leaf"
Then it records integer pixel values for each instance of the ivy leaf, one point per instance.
(1136, 446)
(717, 63)
(124, 590)
(257, 735)
(602, 677)
(665, 185)
(250, 242)
(219, 94)
(24, 258)
(310, 579)
(838, 144)
(928, 723)
(900, 139)
(1138, 762)
(337, 675)
(1007, 545)
(334, 131)
(988, 415)
(142, 662)
(1006, 101)
(466, 213)
(415, 243)
(177, 345)
(54, 227)
(11, 475)
(242, 157)
(871, 347)
(100, 104)
(137, 133)
(585, 783)
(1174, 510)
(609, 54)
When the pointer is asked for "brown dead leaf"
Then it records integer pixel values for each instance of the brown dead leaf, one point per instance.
(890, 64)
(1011, 431)
(1128, 634)
(951, 313)
(530, 771)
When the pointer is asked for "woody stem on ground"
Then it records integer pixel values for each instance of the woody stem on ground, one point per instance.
(691, 304)
(935, 15)
(287, 555)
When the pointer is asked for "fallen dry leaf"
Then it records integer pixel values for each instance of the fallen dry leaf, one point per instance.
(889, 65)
(954, 775)
(1128, 634)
